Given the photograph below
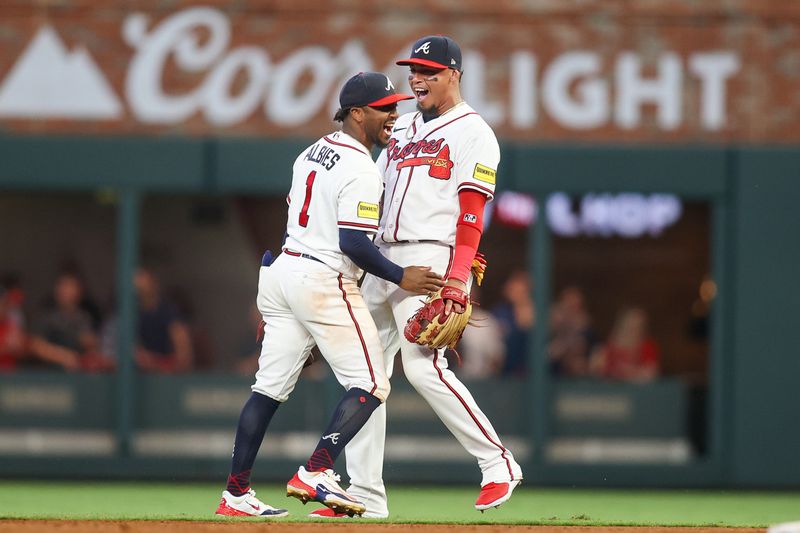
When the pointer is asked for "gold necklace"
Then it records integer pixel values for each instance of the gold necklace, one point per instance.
(452, 108)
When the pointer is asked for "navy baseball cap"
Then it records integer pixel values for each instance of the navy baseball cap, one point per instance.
(371, 89)
(435, 51)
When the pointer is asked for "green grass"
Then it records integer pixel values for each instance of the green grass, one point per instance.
(530, 505)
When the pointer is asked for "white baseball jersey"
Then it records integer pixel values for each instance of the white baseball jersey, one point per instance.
(424, 167)
(309, 295)
(426, 164)
(335, 184)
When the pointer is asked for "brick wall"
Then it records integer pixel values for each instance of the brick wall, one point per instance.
(546, 70)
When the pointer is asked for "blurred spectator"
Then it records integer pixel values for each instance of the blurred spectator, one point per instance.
(87, 303)
(481, 348)
(517, 317)
(630, 353)
(571, 335)
(202, 347)
(63, 335)
(12, 331)
(164, 342)
(701, 309)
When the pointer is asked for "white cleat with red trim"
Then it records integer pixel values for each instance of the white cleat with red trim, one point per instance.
(247, 505)
(494, 494)
(323, 487)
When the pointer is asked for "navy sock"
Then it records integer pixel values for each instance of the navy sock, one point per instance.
(351, 414)
(253, 422)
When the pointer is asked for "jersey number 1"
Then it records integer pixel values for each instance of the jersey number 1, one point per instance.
(309, 185)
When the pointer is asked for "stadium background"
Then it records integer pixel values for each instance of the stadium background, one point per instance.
(162, 133)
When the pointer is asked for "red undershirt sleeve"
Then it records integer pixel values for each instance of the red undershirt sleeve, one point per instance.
(468, 232)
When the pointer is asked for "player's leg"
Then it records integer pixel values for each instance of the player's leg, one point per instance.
(365, 452)
(427, 372)
(337, 317)
(284, 349)
(456, 407)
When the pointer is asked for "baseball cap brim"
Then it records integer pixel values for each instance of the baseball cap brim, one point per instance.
(423, 62)
(391, 99)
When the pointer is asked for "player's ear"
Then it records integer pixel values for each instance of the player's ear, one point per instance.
(358, 114)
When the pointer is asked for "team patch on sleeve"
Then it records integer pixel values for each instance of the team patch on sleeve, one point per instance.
(367, 210)
(484, 174)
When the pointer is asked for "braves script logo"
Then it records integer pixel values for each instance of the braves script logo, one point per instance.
(425, 48)
(333, 436)
(439, 163)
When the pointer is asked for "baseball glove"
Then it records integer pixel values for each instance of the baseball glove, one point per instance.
(432, 328)
(478, 267)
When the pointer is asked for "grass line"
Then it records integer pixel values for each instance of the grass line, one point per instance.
(411, 505)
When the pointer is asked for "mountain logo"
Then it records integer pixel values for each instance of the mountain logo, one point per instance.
(50, 81)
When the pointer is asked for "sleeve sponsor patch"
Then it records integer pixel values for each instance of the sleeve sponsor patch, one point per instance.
(484, 174)
(469, 217)
(367, 210)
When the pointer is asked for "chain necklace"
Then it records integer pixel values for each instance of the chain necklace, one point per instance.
(410, 132)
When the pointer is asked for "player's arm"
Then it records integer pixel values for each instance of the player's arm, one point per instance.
(356, 245)
(469, 229)
(358, 214)
(476, 175)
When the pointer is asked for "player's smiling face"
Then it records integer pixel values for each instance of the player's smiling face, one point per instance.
(379, 122)
(429, 86)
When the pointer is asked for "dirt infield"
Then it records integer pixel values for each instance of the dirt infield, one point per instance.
(99, 526)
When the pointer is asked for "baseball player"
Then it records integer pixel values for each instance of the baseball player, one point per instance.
(308, 296)
(439, 171)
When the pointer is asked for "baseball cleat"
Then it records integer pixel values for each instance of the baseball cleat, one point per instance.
(494, 494)
(247, 505)
(330, 513)
(326, 513)
(324, 488)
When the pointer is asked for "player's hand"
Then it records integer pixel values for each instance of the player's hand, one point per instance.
(451, 305)
(420, 280)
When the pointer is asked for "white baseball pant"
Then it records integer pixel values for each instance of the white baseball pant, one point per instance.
(305, 302)
(427, 372)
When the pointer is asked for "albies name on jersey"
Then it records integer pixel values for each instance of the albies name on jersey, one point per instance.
(324, 155)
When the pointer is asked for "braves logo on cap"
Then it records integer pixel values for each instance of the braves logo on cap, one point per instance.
(434, 51)
(369, 89)
(426, 48)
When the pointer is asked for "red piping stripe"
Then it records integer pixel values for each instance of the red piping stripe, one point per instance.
(447, 123)
(474, 419)
(346, 145)
(411, 172)
(403, 199)
(394, 189)
(449, 262)
(358, 224)
(360, 336)
(291, 252)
